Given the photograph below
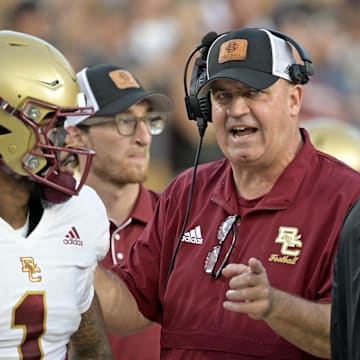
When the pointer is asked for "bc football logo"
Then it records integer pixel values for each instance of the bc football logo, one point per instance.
(29, 266)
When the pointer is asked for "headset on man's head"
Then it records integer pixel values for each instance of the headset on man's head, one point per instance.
(199, 108)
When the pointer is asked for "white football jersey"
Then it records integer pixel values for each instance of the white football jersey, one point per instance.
(46, 279)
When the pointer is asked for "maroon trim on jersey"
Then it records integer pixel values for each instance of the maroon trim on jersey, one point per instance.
(307, 205)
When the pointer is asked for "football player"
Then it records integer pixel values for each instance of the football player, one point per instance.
(49, 243)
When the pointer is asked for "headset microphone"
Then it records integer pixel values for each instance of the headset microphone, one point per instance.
(208, 39)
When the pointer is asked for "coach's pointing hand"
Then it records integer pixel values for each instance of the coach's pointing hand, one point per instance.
(249, 289)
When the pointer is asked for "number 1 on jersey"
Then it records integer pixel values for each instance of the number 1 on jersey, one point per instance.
(29, 314)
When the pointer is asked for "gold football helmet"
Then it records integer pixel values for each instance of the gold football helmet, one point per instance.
(38, 89)
(339, 139)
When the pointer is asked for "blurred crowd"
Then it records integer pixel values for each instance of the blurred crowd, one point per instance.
(154, 38)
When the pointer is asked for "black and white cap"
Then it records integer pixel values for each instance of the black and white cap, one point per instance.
(111, 90)
(253, 56)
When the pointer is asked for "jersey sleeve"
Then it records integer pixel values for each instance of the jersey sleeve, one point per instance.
(97, 230)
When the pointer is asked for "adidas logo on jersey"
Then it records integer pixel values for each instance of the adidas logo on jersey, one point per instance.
(73, 238)
(193, 236)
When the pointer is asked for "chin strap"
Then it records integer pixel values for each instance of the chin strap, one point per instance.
(54, 196)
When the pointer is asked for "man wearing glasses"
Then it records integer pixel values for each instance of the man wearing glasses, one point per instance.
(120, 132)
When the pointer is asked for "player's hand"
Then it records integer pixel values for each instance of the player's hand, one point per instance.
(249, 289)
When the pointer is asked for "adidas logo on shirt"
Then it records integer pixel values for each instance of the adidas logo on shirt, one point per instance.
(193, 236)
(73, 238)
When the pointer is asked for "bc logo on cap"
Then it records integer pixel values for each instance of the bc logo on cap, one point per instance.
(235, 49)
(123, 79)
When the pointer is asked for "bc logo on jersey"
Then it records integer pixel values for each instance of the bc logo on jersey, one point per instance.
(29, 266)
(289, 238)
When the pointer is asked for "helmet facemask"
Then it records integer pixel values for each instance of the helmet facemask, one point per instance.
(43, 125)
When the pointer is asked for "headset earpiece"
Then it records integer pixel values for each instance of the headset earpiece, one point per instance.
(299, 73)
(202, 106)
(198, 109)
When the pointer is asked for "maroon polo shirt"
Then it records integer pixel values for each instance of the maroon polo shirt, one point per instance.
(293, 230)
(146, 344)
